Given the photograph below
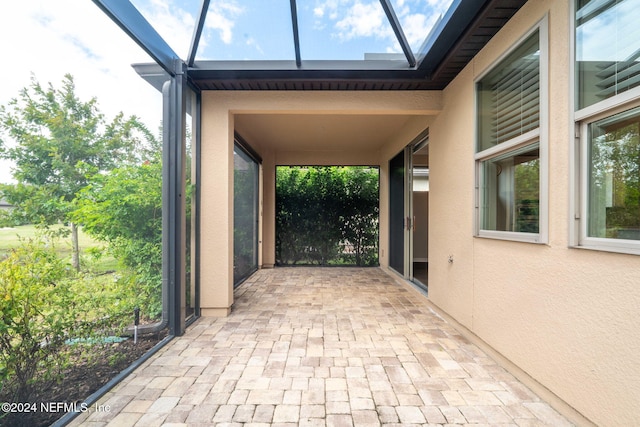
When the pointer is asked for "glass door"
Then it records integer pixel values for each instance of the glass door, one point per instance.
(399, 218)
(408, 211)
(420, 213)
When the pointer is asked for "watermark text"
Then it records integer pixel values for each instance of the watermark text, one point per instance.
(51, 407)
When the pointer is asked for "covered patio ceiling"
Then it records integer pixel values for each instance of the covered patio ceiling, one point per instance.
(321, 132)
(297, 64)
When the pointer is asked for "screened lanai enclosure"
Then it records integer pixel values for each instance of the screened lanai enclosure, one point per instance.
(221, 146)
(218, 199)
(496, 209)
(385, 45)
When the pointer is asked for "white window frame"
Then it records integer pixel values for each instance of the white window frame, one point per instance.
(583, 240)
(579, 167)
(539, 136)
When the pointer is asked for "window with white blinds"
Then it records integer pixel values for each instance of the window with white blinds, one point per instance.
(607, 49)
(509, 96)
(511, 160)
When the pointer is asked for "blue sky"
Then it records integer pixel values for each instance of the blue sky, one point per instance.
(262, 29)
(48, 39)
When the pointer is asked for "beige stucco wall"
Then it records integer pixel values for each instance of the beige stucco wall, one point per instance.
(216, 212)
(567, 317)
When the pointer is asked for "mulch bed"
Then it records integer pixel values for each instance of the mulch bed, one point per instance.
(93, 367)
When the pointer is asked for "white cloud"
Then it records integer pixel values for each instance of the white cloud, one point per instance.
(439, 4)
(174, 24)
(56, 41)
(329, 8)
(251, 42)
(367, 19)
(363, 20)
(221, 17)
(223, 25)
(416, 27)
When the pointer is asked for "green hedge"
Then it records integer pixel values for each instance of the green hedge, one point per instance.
(327, 215)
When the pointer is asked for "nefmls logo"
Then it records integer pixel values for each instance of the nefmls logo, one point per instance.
(63, 407)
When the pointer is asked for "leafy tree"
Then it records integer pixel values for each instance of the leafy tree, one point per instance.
(124, 208)
(58, 143)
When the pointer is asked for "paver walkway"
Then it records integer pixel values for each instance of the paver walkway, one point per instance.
(322, 347)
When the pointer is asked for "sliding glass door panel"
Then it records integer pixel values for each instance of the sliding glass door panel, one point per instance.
(397, 219)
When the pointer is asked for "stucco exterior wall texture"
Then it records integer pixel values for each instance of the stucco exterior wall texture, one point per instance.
(567, 317)
(216, 210)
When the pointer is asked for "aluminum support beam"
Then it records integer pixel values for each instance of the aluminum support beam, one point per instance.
(197, 33)
(127, 17)
(173, 203)
(397, 29)
(296, 37)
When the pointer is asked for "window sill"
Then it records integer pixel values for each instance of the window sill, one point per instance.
(512, 236)
(607, 246)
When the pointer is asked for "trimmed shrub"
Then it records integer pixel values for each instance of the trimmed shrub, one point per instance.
(37, 314)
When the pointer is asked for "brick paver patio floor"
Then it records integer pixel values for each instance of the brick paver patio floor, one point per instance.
(322, 347)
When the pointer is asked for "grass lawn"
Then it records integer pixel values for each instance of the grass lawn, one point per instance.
(10, 237)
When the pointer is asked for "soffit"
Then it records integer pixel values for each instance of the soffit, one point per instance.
(319, 132)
